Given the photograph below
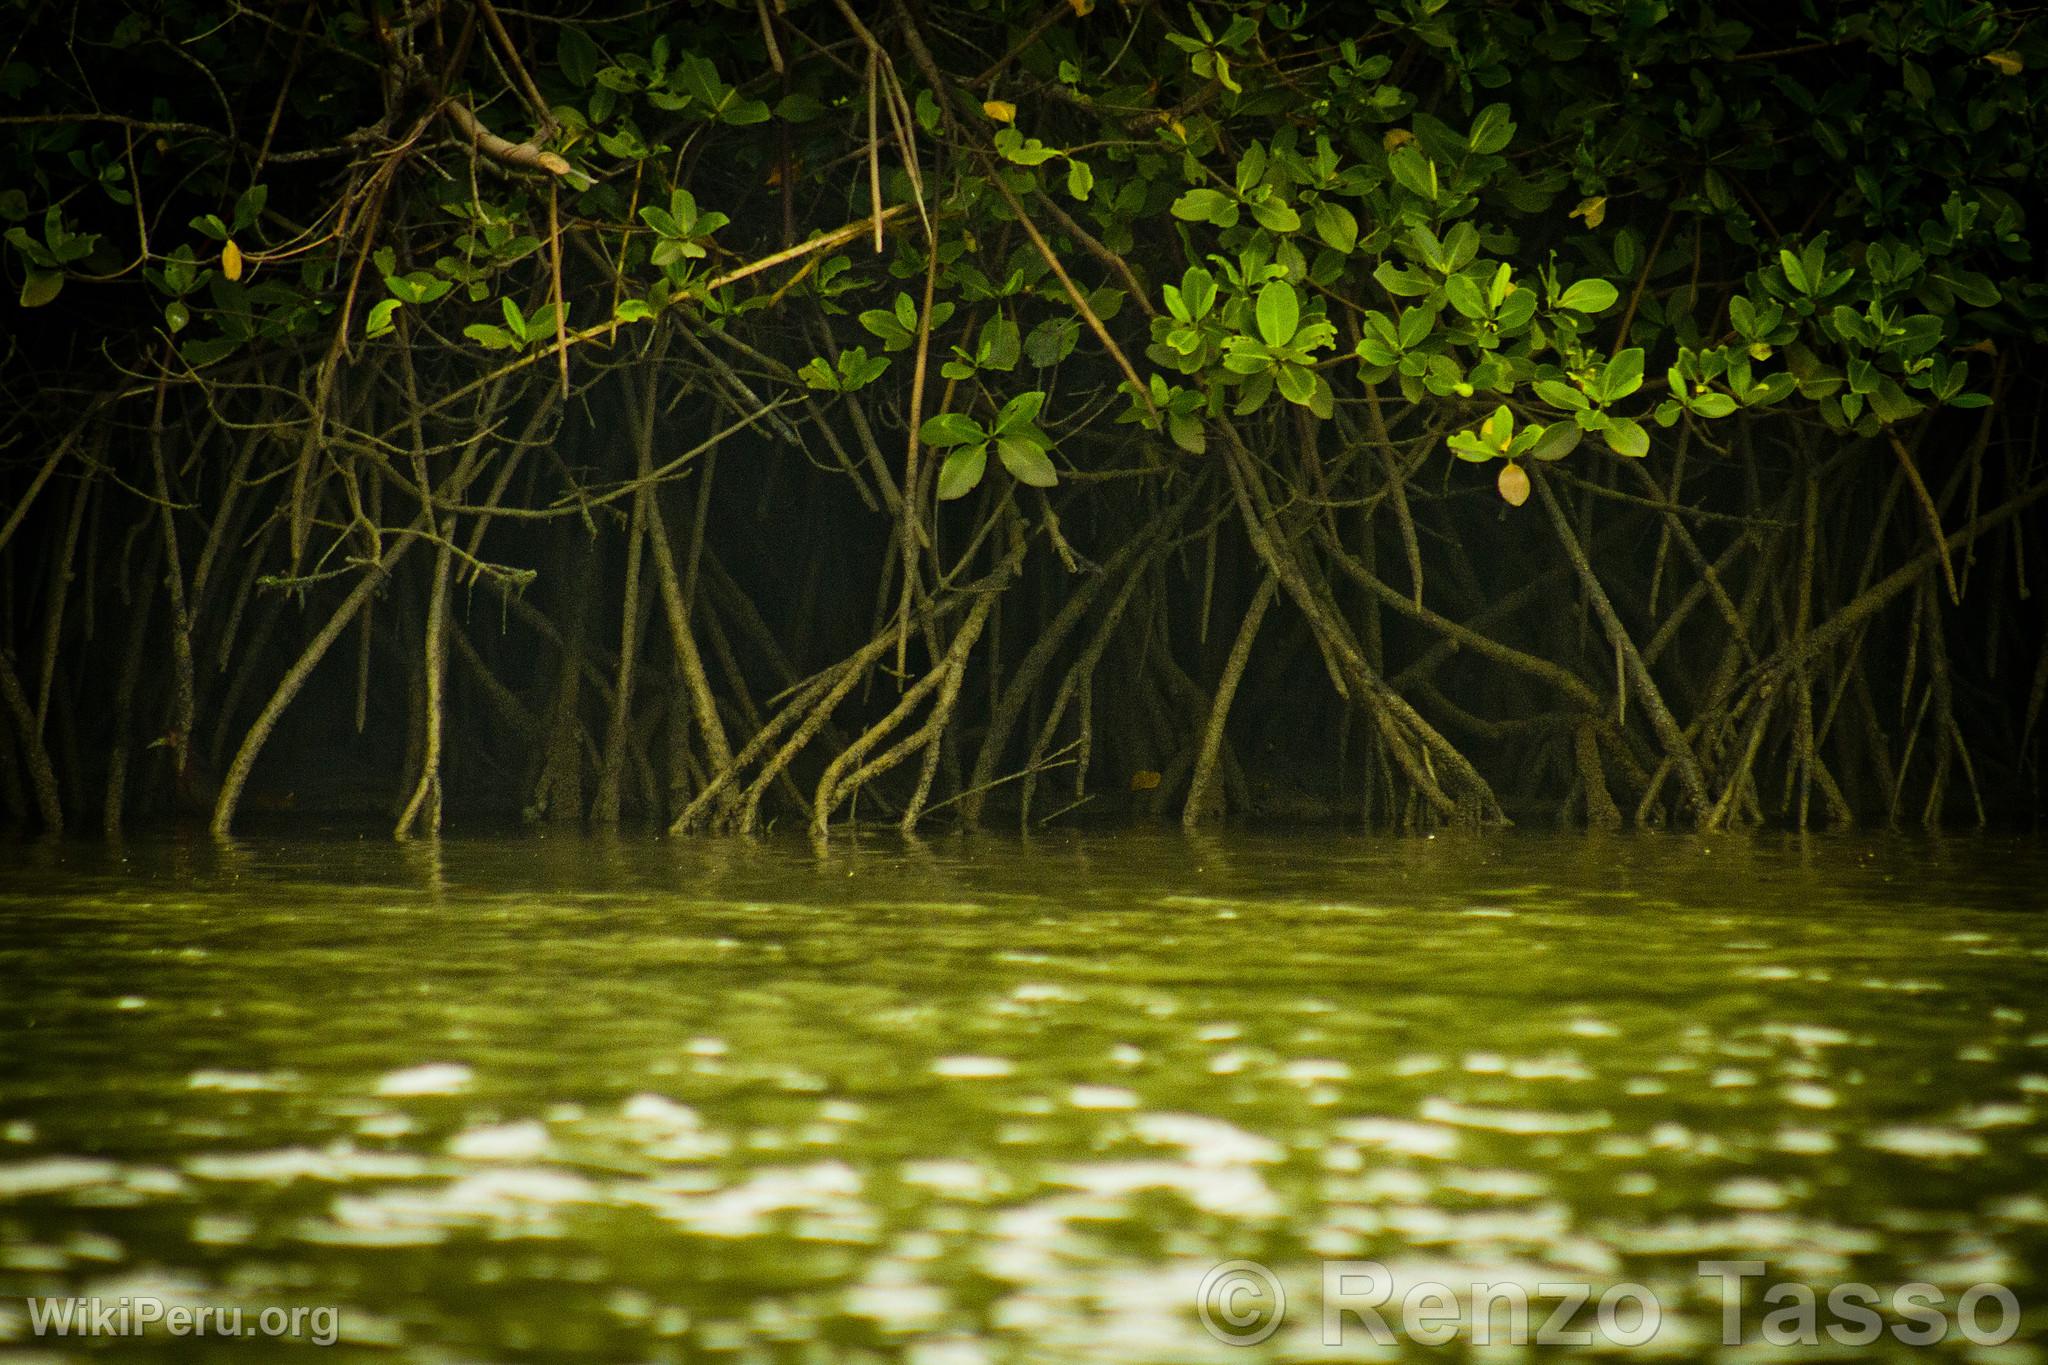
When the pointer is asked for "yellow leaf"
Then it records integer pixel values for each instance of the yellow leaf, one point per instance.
(2008, 63)
(1397, 139)
(1180, 130)
(231, 261)
(1144, 781)
(1002, 111)
(1082, 8)
(1593, 210)
(1513, 484)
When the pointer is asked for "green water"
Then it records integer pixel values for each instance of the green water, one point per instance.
(557, 1099)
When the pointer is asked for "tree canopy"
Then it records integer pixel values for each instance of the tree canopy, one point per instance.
(1045, 344)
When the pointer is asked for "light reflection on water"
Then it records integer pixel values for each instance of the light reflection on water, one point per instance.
(980, 1101)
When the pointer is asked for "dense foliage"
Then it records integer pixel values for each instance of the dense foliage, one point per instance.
(1038, 352)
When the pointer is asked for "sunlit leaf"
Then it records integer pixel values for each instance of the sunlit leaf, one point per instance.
(1080, 179)
(951, 429)
(1026, 462)
(1589, 296)
(1279, 313)
(1625, 436)
(1020, 411)
(1337, 226)
(962, 471)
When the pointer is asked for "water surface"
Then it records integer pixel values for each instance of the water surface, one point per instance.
(555, 1099)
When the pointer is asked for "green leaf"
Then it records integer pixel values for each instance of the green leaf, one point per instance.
(962, 471)
(1770, 389)
(998, 345)
(489, 337)
(1297, 384)
(1021, 411)
(884, 324)
(1186, 430)
(1467, 446)
(739, 113)
(1622, 376)
(858, 369)
(1080, 179)
(1713, 404)
(1424, 243)
(1625, 436)
(634, 310)
(1402, 282)
(1323, 401)
(1274, 216)
(1497, 288)
(1461, 244)
(1969, 286)
(1561, 395)
(576, 55)
(1251, 168)
(249, 206)
(1336, 225)
(1206, 206)
(1414, 171)
(1891, 403)
(797, 107)
(1026, 462)
(951, 429)
(1491, 130)
(40, 287)
(1415, 325)
(1019, 150)
(1515, 311)
(198, 352)
(541, 324)
(1466, 297)
(1279, 313)
(1499, 427)
(1795, 273)
(1559, 439)
(1589, 296)
(1051, 341)
(379, 321)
